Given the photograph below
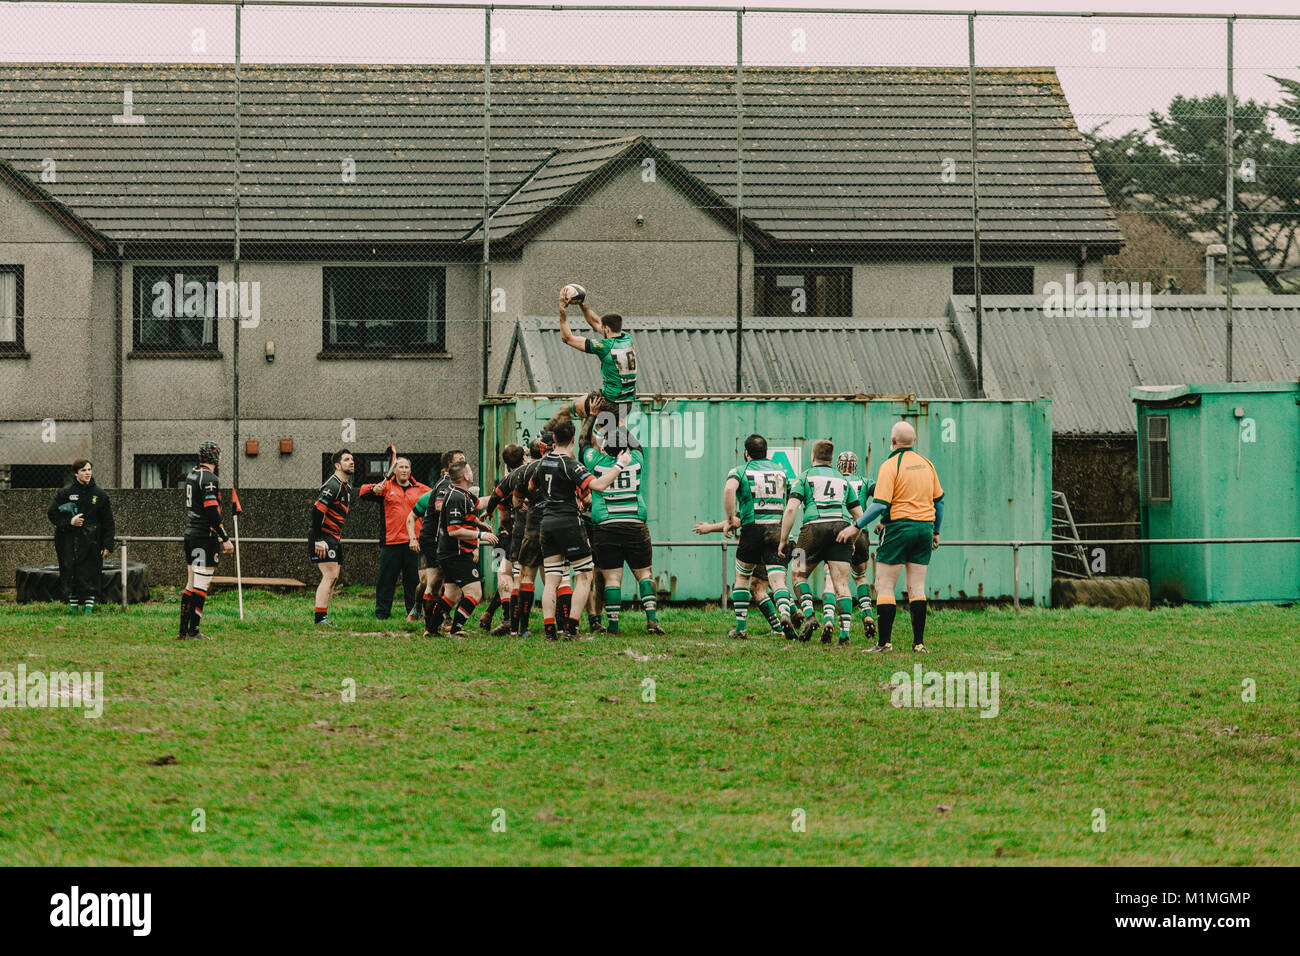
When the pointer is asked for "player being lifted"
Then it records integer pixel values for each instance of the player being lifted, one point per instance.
(620, 533)
(205, 538)
(847, 465)
(828, 504)
(613, 401)
(753, 496)
(562, 481)
(328, 513)
(459, 535)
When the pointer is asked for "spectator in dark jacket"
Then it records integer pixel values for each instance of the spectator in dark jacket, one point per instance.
(83, 535)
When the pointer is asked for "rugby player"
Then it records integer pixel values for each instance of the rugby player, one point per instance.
(502, 502)
(620, 534)
(753, 496)
(529, 500)
(827, 502)
(429, 543)
(205, 538)
(613, 401)
(847, 464)
(757, 581)
(325, 545)
(910, 499)
(459, 535)
(562, 480)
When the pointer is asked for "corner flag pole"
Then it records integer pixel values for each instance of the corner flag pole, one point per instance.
(239, 575)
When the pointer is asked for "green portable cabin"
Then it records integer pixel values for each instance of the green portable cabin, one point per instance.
(994, 459)
(1220, 461)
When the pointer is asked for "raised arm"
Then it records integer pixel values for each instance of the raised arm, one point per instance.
(566, 333)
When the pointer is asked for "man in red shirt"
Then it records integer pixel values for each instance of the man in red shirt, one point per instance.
(399, 496)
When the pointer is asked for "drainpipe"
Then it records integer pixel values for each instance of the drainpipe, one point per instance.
(117, 372)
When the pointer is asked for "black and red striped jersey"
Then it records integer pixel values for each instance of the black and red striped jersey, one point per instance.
(332, 504)
(203, 503)
(458, 512)
(561, 482)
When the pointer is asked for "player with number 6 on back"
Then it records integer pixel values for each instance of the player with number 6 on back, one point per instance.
(612, 402)
(205, 538)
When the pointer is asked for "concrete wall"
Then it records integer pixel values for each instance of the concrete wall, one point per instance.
(55, 382)
(268, 513)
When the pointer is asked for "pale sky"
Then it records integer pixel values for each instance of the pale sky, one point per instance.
(1112, 69)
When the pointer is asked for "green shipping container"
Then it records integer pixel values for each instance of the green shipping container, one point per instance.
(1220, 461)
(994, 459)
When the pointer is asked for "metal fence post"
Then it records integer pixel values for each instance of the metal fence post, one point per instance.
(124, 599)
(724, 574)
(1015, 575)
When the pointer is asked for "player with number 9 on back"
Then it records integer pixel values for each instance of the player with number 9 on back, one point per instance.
(205, 538)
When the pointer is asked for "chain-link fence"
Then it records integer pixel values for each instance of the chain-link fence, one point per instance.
(289, 228)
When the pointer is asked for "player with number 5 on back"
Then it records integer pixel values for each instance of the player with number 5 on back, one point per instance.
(612, 403)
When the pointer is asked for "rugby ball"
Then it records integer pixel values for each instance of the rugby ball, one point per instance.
(575, 292)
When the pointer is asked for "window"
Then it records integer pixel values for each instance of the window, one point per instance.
(994, 280)
(796, 291)
(43, 476)
(162, 471)
(175, 309)
(11, 310)
(384, 310)
(425, 467)
(1158, 457)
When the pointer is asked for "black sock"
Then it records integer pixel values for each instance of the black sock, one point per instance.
(563, 604)
(918, 621)
(526, 598)
(592, 619)
(440, 608)
(185, 612)
(428, 612)
(464, 611)
(196, 609)
(885, 621)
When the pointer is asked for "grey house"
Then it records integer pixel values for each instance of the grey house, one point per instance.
(360, 205)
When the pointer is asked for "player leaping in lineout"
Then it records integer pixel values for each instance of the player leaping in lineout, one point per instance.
(612, 402)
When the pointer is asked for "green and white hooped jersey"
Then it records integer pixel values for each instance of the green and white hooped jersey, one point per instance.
(624, 500)
(826, 495)
(760, 499)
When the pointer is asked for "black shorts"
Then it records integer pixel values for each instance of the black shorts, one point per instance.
(202, 551)
(512, 547)
(530, 548)
(612, 417)
(565, 538)
(428, 551)
(817, 543)
(460, 570)
(618, 542)
(760, 544)
(333, 550)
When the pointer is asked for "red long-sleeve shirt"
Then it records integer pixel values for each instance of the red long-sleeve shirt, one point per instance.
(397, 503)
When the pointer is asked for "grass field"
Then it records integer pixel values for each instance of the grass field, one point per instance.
(1136, 714)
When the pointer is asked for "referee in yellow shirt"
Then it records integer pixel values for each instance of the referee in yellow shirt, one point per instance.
(910, 498)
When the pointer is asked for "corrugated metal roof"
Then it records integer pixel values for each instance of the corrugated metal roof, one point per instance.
(782, 356)
(1087, 365)
(830, 153)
